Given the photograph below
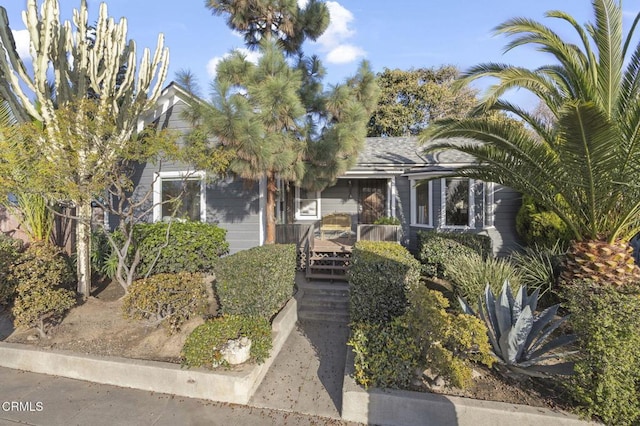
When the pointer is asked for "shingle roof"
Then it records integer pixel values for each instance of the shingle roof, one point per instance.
(398, 151)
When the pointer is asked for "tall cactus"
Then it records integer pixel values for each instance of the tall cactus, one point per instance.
(84, 60)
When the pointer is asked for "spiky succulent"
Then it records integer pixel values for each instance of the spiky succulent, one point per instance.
(520, 337)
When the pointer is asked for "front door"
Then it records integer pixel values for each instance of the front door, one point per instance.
(373, 200)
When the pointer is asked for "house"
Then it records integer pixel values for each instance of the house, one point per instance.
(388, 180)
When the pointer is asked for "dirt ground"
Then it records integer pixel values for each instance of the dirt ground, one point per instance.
(98, 327)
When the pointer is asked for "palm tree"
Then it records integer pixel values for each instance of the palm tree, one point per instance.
(584, 164)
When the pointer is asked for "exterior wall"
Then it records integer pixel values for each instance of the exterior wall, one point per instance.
(507, 203)
(233, 205)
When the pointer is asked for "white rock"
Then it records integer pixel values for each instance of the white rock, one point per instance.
(236, 351)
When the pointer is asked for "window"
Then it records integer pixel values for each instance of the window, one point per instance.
(456, 202)
(422, 201)
(307, 204)
(180, 195)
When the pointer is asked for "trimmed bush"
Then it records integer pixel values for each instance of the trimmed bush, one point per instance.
(379, 277)
(9, 253)
(191, 247)
(202, 347)
(449, 343)
(43, 276)
(537, 226)
(436, 248)
(256, 282)
(607, 379)
(470, 274)
(385, 355)
(167, 299)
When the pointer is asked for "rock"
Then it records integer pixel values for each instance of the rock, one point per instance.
(236, 351)
(32, 338)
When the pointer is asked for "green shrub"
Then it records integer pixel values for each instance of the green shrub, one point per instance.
(9, 252)
(43, 276)
(385, 355)
(386, 220)
(256, 282)
(449, 343)
(470, 274)
(436, 248)
(203, 345)
(607, 379)
(379, 277)
(537, 226)
(191, 247)
(539, 268)
(101, 254)
(167, 299)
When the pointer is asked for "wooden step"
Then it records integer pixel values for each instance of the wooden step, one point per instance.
(335, 267)
(331, 258)
(332, 277)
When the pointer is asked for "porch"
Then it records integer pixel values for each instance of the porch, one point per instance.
(330, 257)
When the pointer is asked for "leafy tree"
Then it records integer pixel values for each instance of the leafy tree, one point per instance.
(584, 166)
(81, 138)
(412, 99)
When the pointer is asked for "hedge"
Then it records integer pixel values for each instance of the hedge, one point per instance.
(436, 248)
(380, 274)
(256, 282)
(191, 246)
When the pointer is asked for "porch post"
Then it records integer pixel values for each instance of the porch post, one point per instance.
(393, 196)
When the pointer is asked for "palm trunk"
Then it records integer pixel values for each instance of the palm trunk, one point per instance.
(271, 209)
(83, 248)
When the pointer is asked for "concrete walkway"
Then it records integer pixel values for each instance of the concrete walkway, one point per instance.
(307, 375)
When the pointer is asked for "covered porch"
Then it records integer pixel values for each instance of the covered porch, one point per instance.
(329, 257)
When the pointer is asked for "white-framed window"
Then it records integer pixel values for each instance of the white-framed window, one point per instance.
(457, 203)
(421, 203)
(307, 204)
(179, 195)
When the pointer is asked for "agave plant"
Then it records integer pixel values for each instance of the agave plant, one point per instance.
(519, 337)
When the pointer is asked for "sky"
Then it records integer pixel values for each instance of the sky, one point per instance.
(402, 34)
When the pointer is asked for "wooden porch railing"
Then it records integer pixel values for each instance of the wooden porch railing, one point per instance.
(379, 233)
(301, 236)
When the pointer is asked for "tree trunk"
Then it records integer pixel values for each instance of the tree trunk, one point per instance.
(83, 248)
(290, 194)
(271, 209)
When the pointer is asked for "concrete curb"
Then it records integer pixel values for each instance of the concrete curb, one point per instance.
(235, 386)
(396, 407)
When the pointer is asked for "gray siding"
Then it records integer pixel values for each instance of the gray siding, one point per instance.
(342, 198)
(233, 205)
(507, 203)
